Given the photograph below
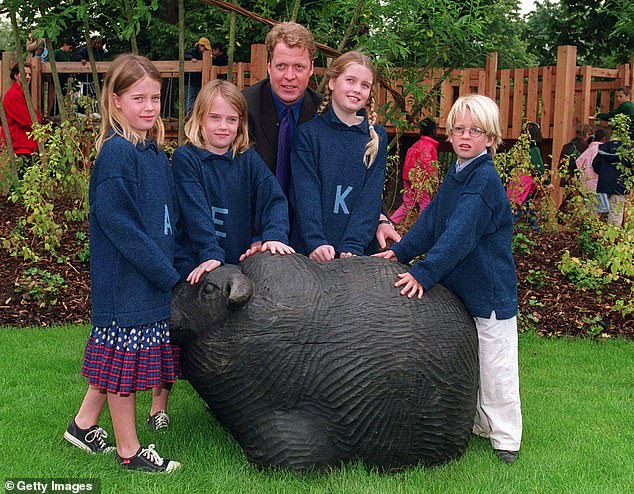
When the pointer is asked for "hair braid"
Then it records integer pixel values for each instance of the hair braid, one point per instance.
(372, 147)
(325, 101)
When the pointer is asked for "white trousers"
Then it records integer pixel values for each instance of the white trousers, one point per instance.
(617, 209)
(498, 413)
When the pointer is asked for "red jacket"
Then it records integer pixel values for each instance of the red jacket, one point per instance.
(422, 152)
(18, 120)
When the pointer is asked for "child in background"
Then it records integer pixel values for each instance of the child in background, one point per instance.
(589, 178)
(226, 192)
(420, 155)
(131, 254)
(338, 166)
(466, 232)
(522, 189)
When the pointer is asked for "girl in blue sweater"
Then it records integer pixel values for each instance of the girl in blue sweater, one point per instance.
(466, 233)
(338, 166)
(227, 194)
(132, 221)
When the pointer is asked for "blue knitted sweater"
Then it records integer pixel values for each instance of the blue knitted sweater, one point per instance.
(225, 202)
(466, 233)
(132, 232)
(335, 198)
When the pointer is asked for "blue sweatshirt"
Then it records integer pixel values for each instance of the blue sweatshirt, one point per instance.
(335, 197)
(466, 232)
(225, 202)
(132, 233)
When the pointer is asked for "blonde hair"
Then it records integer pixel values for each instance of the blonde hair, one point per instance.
(125, 71)
(195, 126)
(484, 113)
(337, 68)
(291, 34)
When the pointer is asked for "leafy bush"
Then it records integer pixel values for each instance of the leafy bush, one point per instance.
(40, 287)
(60, 173)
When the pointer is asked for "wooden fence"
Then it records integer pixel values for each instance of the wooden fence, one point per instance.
(557, 97)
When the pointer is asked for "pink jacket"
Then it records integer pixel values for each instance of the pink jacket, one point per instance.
(422, 152)
(584, 163)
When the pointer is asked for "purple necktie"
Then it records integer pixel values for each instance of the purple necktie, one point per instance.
(283, 169)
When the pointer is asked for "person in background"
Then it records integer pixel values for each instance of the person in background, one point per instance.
(589, 178)
(62, 54)
(194, 80)
(611, 169)
(36, 47)
(18, 117)
(219, 57)
(523, 187)
(624, 106)
(420, 155)
(572, 150)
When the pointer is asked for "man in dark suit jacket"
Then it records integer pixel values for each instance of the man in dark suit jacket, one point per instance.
(291, 49)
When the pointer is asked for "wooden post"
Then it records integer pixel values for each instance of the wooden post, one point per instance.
(518, 103)
(491, 75)
(258, 63)
(505, 101)
(631, 79)
(531, 94)
(584, 109)
(563, 128)
(206, 68)
(36, 83)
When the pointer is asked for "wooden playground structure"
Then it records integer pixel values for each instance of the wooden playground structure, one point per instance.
(556, 97)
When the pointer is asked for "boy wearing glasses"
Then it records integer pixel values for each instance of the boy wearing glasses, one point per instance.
(466, 233)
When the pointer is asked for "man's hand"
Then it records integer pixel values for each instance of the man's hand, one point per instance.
(386, 232)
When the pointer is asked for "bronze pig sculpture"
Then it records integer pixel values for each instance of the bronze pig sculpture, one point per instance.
(310, 365)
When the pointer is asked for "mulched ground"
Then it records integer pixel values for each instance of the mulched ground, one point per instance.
(555, 308)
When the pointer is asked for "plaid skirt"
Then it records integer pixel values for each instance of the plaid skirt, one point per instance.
(126, 360)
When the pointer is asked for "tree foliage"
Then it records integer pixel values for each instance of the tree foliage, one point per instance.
(602, 31)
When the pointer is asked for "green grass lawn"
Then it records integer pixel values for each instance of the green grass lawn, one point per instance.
(577, 400)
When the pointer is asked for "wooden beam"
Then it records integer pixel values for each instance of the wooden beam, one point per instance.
(505, 103)
(258, 67)
(584, 104)
(563, 126)
(491, 70)
(518, 103)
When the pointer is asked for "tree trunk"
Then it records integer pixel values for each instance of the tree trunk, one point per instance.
(7, 135)
(232, 45)
(181, 71)
(56, 84)
(128, 15)
(91, 57)
(346, 37)
(295, 11)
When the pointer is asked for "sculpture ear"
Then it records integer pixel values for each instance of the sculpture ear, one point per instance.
(240, 289)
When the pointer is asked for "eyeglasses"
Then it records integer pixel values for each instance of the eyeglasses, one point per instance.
(473, 131)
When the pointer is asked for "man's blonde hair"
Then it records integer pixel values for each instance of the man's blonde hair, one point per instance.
(195, 126)
(484, 113)
(291, 34)
(124, 71)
